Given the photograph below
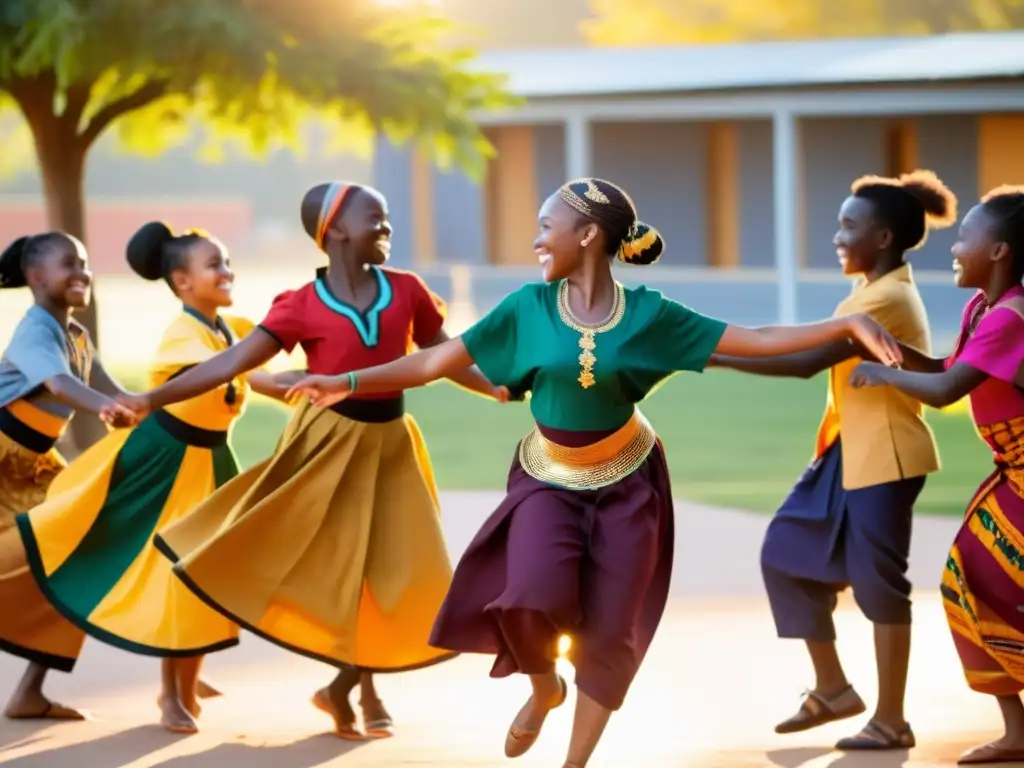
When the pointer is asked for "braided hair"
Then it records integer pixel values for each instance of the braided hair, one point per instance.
(610, 208)
(1006, 207)
(29, 251)
(154, 252)
(909, 205)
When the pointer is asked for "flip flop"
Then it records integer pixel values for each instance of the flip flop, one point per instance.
(348, 732)
(990, 754)
(817, 709)
(519, 740)
(52, 711)
(381, 728)
(878, 736)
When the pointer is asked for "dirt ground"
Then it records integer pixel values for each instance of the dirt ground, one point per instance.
(713, 685)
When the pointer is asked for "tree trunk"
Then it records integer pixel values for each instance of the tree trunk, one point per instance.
(61, 160)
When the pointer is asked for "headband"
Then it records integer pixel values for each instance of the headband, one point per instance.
(333, 198)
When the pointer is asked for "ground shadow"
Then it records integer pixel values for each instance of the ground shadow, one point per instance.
(795, 757)
(308, 753)
(872, 758)
(118, 748)
(23, 742)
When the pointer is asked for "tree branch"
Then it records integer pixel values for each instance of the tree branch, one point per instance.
(77, 97)
(140, 97)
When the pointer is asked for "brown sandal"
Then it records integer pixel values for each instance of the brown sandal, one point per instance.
(519, 740)
(876, 735)
(816, 709)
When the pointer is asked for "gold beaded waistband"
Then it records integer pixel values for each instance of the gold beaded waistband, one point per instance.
(592, 466)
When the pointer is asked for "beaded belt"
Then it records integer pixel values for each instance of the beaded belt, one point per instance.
(592, 466)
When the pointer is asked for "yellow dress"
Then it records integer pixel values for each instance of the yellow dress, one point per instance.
(332, 547)
(90, 545)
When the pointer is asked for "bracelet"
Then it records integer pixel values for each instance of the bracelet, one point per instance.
(351, 382)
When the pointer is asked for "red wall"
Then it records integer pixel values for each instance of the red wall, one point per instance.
(109, 223)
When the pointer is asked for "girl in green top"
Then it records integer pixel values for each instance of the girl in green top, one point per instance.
(582, 544)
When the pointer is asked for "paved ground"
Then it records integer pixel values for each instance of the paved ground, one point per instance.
(713, 685)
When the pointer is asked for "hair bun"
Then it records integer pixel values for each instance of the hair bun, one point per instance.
(145, 250)
(642, 246)
(939, 203)
(12, 274)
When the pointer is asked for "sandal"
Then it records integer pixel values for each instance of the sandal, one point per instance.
(379, 727)
(991, 754)
(519, 740)
(342, 730)
(876, 735)
(816, 709)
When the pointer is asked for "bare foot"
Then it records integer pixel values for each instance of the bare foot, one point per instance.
(1004, 750)
(207, 690)
(175, 718)
(194, 708)
(526, 727)
(342, 714)
(35, 706)
(376, 721)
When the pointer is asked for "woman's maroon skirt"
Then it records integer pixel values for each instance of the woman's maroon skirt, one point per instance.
(594, 565)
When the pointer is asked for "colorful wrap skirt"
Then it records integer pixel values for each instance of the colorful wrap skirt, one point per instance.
(983, 582)
(593, 563)
(90, 545)
(331, 548)
(30, 626)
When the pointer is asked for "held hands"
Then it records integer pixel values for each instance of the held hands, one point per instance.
(138, 405)
(322, 391)
(117, 416)
(868, 374)
(875, 340)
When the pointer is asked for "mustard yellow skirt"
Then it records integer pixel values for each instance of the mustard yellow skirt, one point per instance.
(30, 627)
(332, 548)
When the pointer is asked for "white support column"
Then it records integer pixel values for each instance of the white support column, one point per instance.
(578, 149)
(787, 181)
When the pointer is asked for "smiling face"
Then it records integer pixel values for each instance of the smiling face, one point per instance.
(977, 251)
(364, 226)
(62, 274)
(564, 234)
(860, 239)
(207, 278)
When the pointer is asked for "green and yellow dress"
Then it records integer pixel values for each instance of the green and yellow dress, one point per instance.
(90, 544)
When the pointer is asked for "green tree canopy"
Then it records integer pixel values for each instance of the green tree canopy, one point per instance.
(667, 22)
(251, 69)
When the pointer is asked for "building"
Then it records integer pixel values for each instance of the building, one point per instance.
(739, 154)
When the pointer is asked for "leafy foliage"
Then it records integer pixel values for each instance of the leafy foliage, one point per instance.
(667, 22)
(252, 69)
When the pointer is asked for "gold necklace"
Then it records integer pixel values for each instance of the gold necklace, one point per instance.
(588, 333)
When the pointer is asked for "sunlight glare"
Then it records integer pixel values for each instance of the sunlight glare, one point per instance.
(564, 644)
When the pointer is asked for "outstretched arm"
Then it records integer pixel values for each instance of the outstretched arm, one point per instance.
(470, 377)
(778, 340)
(799, 365)
(443, 361)
(807, 365)
(275, 385)
(935, 389)
(251, 352)
(73, 392)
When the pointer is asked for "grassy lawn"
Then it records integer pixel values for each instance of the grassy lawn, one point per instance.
(732, 440)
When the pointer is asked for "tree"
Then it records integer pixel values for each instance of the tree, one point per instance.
(671, 22)
(250, 69)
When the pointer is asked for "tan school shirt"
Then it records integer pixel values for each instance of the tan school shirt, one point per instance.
(884, 435)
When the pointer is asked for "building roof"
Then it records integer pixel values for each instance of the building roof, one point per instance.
(618, 71)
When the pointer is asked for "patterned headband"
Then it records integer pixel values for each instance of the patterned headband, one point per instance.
(333, 198)
(583, 204)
